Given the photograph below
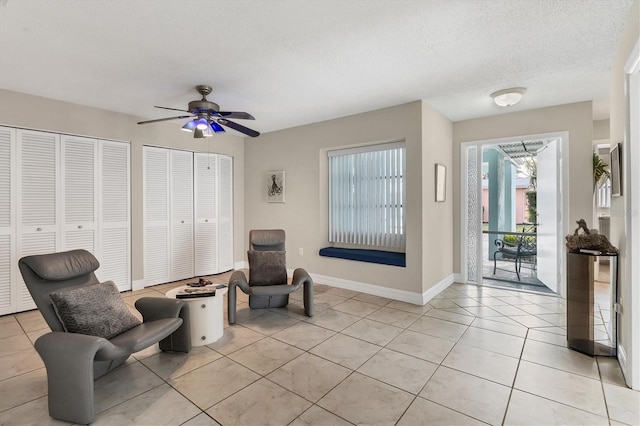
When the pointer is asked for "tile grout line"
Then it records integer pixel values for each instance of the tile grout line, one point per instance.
(604, 394)
(341, 332)
(515, 376)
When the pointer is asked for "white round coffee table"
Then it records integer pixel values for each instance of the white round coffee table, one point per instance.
(205, 314)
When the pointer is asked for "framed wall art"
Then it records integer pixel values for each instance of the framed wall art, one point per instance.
(275, 186)
(616, 168)
(441, 182)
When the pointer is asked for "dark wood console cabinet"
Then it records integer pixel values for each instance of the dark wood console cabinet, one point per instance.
(580, 305)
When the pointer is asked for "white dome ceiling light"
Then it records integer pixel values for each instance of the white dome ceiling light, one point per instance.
(508, 97)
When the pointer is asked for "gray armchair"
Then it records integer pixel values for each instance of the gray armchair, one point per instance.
(267, 286)
(73, 360)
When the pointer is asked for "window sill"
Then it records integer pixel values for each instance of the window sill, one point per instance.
(363, 255)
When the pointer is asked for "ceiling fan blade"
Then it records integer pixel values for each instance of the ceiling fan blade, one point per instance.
(172, 109)
(235, 114)
(216, 127)
(238, 127)
(164, 119)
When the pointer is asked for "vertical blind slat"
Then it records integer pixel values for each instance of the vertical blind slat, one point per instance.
(367, 192)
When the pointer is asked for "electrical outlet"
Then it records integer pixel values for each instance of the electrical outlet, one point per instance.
(301, 251)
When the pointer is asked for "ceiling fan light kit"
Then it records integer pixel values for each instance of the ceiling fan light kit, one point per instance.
(206, 117)
(202, 123)
(508, 97)
(189, 126)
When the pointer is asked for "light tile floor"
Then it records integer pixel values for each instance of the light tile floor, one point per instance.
(471, 356)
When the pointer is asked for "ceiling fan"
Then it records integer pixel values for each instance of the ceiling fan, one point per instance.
(207, 117)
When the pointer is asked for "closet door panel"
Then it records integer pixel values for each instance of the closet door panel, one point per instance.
(8, 261)
(156, 216)
(39, 179)
(225, 222)
(7, 292)
(79, 188)
(33, 243)
(114, 218)
(38, 197)
(181, 215)
(7, 178)
(206, 249)
(50, 199)
(206, 213)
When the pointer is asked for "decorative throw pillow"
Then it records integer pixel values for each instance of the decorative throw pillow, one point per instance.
(94, 309)
(267, 267)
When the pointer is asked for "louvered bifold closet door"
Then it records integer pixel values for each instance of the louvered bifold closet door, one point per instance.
(181, 223)
(79, 189)
(156, 216)
(206, 213)
(38, 159)
(8, 268)
(114, 213)
(225, 213)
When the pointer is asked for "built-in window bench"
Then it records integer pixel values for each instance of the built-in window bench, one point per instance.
(363, 255)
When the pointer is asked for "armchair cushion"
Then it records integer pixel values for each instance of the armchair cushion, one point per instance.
(267, 267)
(95, 309)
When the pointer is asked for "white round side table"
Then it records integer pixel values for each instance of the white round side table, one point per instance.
(205, 314)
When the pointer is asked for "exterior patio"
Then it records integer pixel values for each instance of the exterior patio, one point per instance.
(505, 272)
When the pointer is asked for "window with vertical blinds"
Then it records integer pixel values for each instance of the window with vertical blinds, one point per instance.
(367, 195)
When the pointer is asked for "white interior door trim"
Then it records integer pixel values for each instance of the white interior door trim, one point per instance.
(466, 254)
(549, 238)
(631, 184)
(563, 161)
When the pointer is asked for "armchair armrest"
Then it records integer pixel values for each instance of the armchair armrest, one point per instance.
(155, 308)
(238, 278)
(302, 277)
(59, 344)
(69, 359)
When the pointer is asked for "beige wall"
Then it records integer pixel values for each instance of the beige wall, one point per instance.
(600, 130)
(617, 102)
(576, 119)
(20, 110)
(302, 153)
(437, 217)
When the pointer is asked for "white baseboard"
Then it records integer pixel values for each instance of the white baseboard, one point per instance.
(243, 264)
(389, 293)
(622, 360)
(458, 278)
(137, 285)
(436, 289)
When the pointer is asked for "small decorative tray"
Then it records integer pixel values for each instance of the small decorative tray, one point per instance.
(201, 283)
(189, 293)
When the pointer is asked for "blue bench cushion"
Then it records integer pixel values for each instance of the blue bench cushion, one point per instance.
(362, 255)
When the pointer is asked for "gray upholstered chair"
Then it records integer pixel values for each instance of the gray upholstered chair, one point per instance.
(67, 293)
(267, 286)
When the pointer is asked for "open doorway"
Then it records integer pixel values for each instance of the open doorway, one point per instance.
(513, 217)
(509, 215)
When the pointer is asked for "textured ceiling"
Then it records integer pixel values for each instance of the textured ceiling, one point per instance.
(291, 63)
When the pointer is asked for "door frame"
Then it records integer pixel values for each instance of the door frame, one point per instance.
(563, 200)
(549, 231)
(630, 360)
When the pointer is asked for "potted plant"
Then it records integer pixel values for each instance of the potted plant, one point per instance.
(600, 171)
